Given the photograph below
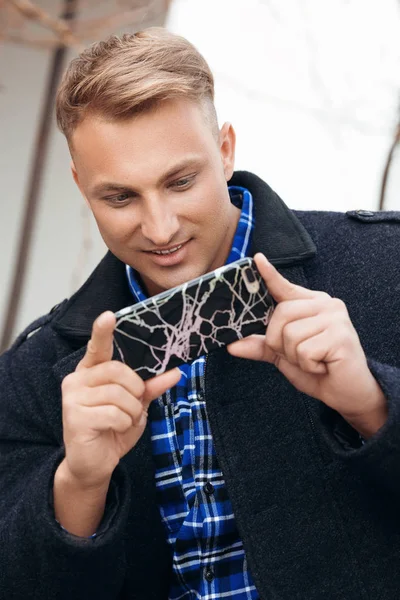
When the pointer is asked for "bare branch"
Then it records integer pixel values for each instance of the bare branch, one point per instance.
(10, 18)
(388, 164)
(15, 13)
(40, 44)
(112, 21)
(58, 26)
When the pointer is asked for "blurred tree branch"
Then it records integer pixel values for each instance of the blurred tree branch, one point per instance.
(59, 27)
(16, 15)
(388, 164)
(389, 160)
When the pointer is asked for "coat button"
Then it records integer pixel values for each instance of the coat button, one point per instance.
(208, 488)
(209, 574)
(365, 213)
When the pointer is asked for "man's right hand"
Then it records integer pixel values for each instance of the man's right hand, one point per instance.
(105, 407)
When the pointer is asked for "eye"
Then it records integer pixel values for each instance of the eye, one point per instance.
(119, 199)
(183, 183)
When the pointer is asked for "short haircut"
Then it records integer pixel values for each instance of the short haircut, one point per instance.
(126, 75)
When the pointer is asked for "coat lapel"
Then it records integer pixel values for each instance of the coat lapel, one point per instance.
(278, 233)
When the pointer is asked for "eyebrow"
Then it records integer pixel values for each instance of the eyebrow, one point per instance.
(109, 186)
(105, 187)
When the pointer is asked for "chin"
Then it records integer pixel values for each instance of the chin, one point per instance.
(179, 278)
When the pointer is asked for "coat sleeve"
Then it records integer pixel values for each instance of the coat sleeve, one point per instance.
(39, 560)
(358, 261)
(378, 458)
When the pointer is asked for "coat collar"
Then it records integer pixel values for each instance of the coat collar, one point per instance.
(277, 233)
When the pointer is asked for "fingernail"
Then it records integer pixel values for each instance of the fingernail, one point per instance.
(103, 319)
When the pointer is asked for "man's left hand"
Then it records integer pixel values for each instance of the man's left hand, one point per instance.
(311, 340)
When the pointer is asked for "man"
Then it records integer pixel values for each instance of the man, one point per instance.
(271, 470)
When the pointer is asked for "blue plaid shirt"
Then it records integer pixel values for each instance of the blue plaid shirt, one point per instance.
(208, 556)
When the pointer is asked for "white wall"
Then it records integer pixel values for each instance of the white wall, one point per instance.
(310, 86)
(58, 232)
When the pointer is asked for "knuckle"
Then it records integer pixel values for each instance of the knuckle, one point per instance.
(281, 311)
(339, 305)
(289, 331)
(272, 342)
(116, 369)
(113, 392)
(303, 352)
(323, 296)
(139, 385)
(119, 420)
(68, 383)
(292, 289)
(113, 413)
(321, 301)
(136, 411)
(348, 336)
(91, 348)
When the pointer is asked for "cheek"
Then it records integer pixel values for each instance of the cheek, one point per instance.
(215, 212)
(115, 225)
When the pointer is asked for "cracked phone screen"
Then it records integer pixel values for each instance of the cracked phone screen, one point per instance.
(186, 322)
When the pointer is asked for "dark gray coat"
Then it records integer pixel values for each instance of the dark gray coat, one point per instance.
(317, 512)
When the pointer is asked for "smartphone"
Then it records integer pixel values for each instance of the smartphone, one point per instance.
(190, 320)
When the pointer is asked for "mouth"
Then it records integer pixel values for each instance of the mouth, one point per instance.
(167, 251)
(168, 257)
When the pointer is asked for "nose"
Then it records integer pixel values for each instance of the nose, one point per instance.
(159, 222)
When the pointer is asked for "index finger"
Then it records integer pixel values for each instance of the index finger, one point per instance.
(100, 346)
(279, 287)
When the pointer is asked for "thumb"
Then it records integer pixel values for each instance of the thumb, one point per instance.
(278, 286)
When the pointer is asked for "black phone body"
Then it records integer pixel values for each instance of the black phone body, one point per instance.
(190, 320)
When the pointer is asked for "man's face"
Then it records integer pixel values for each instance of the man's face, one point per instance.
(157, 187)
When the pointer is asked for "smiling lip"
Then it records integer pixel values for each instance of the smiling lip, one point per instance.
(169, 256)
(164, 251)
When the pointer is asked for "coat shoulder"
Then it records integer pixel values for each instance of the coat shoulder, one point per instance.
(354, 234)
(351, 217)
(357, 259)
(37, 345)
(30, 391)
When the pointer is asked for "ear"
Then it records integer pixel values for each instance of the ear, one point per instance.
(76, 179)
(227, 137)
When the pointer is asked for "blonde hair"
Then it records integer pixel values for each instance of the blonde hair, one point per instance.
(125, 75)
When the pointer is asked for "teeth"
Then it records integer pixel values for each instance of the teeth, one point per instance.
(167, 251)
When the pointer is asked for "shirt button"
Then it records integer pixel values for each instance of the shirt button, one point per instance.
(209, 574)
(200, 396)
(208, 488)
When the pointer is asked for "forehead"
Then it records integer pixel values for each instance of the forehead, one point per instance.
(147, 140)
